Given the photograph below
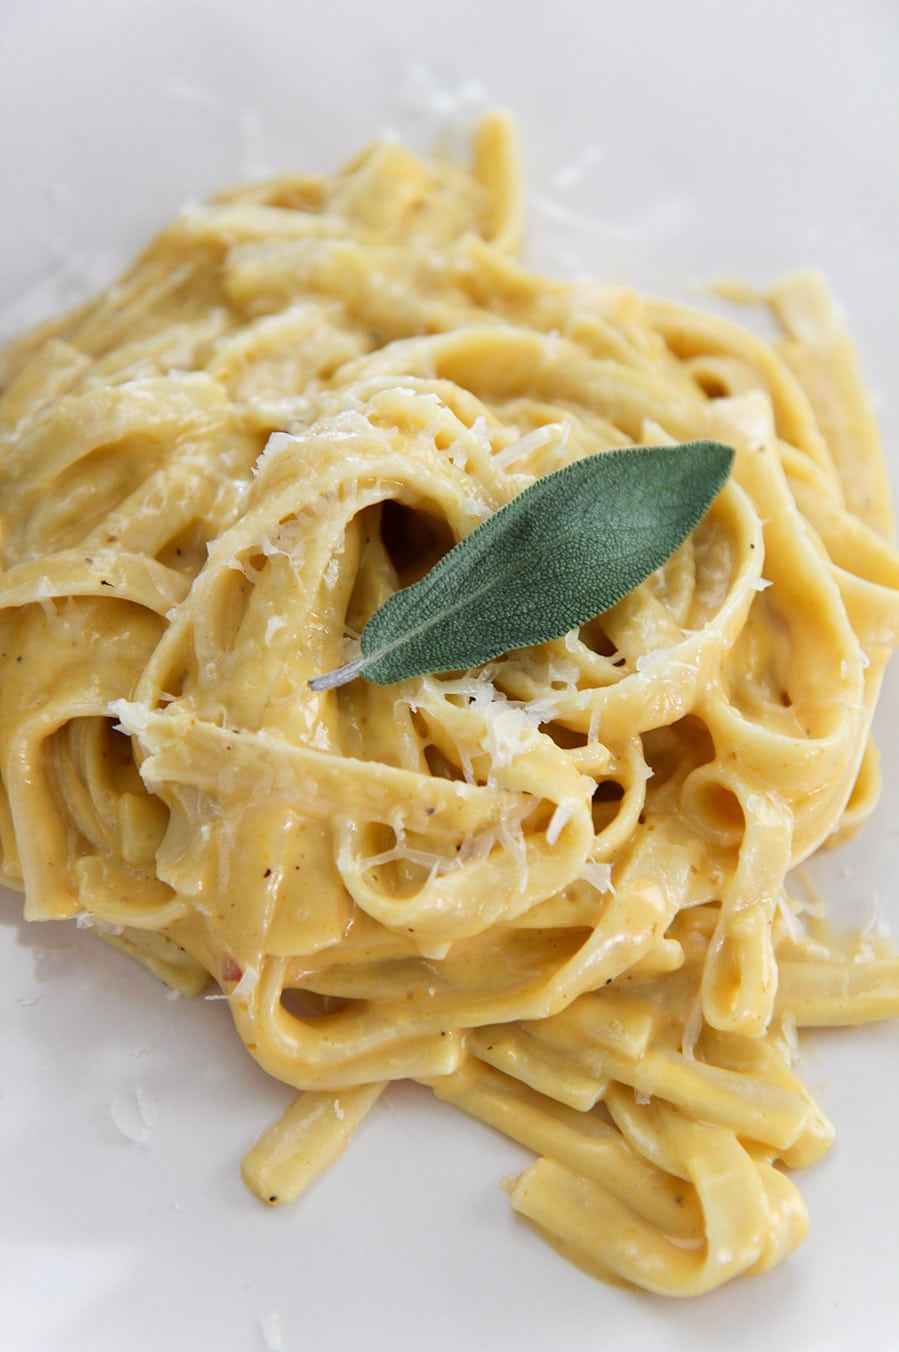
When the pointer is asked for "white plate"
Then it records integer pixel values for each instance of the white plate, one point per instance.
(683, 140)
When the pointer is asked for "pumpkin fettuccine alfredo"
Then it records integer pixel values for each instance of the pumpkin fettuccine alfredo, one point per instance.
(551, 886)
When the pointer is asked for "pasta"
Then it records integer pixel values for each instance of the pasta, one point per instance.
(554, 889)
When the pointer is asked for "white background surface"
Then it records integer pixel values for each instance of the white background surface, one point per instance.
(684, 140)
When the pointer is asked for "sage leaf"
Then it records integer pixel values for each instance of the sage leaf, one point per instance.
(564, 550)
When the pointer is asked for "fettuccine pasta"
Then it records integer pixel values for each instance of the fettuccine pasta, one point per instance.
(553, 888)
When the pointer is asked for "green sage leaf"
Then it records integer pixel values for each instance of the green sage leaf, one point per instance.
(564, 550)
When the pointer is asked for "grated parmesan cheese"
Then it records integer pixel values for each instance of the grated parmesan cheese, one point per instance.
(133, 1115)
(531, 441)
(247, 983)
(558, 821)
(599, 876)
(86, 920)
(568, 175)
(272, 1336)
(791, 921)
(132, 715)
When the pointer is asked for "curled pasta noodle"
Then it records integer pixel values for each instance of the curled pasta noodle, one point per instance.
(555, 888)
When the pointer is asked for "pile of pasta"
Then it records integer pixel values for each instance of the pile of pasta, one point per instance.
(553, 889)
